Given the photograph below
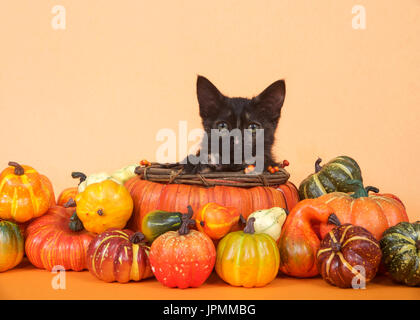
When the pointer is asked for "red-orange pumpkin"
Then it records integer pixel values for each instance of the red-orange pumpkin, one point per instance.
(216, 220)
(183, 258)
(148, 196)
(119, 255)
(57, 239)
(24, 193)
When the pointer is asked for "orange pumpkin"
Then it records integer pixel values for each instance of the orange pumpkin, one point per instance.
(374, 212)
(24, 193)
(57, 238)
(183, 258)
(149, 196)
(70, 193)
(216, 220)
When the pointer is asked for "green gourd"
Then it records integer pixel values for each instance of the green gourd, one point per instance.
(331, 177)
(158, 222)
(400, 246)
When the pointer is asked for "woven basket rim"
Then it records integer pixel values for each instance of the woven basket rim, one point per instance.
(172, 174)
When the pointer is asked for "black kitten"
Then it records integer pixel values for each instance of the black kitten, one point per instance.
(223, 113)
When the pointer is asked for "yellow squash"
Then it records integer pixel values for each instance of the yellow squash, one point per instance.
(103, 205)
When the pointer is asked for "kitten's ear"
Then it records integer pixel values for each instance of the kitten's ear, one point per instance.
(272, 98)
(209, 97)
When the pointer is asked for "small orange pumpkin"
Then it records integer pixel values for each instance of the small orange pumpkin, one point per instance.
(70, 193)
(216, 220)
(374, 212)
(24, 193)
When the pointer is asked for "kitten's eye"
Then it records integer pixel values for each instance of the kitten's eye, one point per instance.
(253, 127)
(222, 126)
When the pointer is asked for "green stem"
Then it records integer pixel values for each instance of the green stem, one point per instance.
(360, 190)
(75, 224)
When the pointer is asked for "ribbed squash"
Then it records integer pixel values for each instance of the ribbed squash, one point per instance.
(330, 177)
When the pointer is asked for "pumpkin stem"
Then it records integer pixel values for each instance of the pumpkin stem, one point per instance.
(100, 212)
(249, 228)
(75, 224)
(137, 237)
(373, 189)
(79, 175)
(336, 246)
(318, 166)
(360, 191)
(70, 203)
(242, 220)
(18, 168)
(333, 219)
(287, 211)
(186, 221)
(202, 223)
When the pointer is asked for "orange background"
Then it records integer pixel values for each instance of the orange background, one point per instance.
(92, 97)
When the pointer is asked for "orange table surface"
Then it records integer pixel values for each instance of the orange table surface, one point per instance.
(27, 282)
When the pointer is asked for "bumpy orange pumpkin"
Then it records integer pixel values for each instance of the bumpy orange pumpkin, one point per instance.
(104, 205)
(216, 220)
(149, 196)
(24, 193)
(183, 258)
(374, 212)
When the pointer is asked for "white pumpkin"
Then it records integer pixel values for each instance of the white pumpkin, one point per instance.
(269, 221)
(95, 178)
(125, 174)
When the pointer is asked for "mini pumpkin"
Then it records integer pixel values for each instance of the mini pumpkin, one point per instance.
(401, 252)
(216, 220)
(348, 255)
(24, 193)
(70, 193)
(11, 245)
(183, 258)
(246, 258)
(104, 205)
(119, 255)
